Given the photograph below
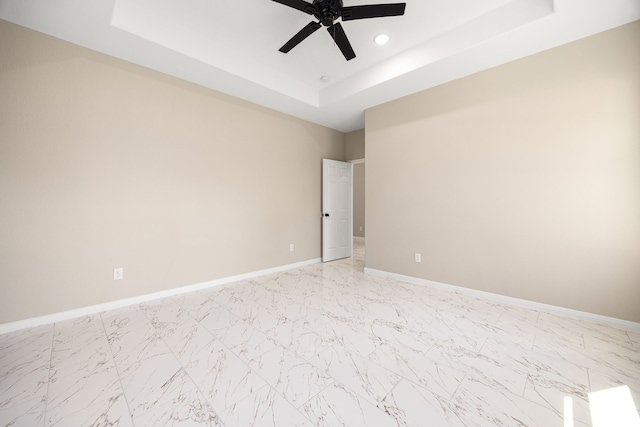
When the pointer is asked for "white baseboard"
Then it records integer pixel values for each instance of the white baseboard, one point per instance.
(95, 309)
(547, 308)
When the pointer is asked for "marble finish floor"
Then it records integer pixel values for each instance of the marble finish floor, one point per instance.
(323, 345)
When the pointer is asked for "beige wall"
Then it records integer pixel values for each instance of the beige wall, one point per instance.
(354, 147)
(523, 180)
(105, 164)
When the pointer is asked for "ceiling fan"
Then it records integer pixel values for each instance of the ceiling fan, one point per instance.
(327, 11)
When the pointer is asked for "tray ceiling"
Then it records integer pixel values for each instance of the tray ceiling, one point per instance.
(232, 46)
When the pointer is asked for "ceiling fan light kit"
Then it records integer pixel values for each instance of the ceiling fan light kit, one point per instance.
(328, 11)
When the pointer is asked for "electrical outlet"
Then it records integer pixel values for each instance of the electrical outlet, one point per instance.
(418, 258)
(360, 228)
(291, 247)
(118, 273)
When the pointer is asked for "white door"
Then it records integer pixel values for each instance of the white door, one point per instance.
(337, 210)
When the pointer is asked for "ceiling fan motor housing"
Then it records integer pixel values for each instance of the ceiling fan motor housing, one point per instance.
(327, 11)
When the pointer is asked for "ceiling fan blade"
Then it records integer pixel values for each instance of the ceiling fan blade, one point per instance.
(298, 4)
(372, 11)
(311, 28)
(342, 41)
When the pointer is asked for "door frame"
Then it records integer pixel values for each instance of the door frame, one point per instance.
(357, 162)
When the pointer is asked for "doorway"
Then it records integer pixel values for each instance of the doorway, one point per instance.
(337, 210)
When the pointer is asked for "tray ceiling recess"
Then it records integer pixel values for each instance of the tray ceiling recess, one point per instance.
(233, 46)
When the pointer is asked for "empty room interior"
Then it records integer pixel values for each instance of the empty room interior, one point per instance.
(166, 222)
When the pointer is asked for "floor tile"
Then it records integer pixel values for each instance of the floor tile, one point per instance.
(339, 406)
(73, 390)
(180, 332)
(478, 404)
(264, 408)
(403, 336)
(549, 390)
(599, 381)
(634, 337)
(23, 412)
(110, 412)
(253, 313)
(442, 377)
(291, 376)
(149, 382)
(26, 381)
(197, 304)
(185, 406)
(304, 342)
(246, 341)
(217, 320)
(321, 345)
(130, 335)
(487, 369)
(346, 331)
(223, 377)
(411, 406)
(360, 374)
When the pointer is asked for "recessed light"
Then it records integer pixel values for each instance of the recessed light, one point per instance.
(381, 39)
(325, 79)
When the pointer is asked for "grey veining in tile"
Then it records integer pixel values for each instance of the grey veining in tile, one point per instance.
(479, 404)
(295, 337)
(264, 408)
(184, 406)
(223, 377)
(411, 405)
(23, 413)
(83, 373)
(442, 377)
(110, 412)
(360, 374)
(246, 341)
(339, 406)
(24, 372)
(634, 337)
(291, 376)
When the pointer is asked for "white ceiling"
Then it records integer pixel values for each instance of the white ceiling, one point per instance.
(232, 45)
